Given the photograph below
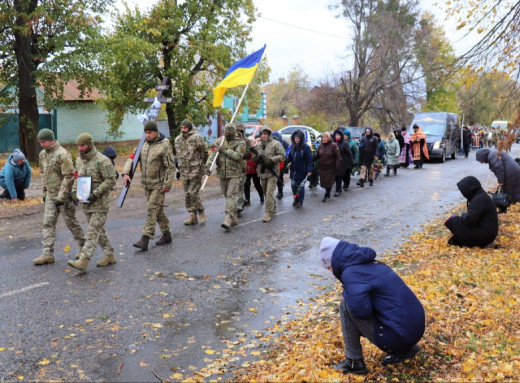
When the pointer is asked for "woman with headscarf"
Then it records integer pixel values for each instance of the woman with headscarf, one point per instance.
(419, 148)
(505, 168)
(330, 161)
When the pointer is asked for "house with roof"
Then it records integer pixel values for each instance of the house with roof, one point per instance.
(75, 115)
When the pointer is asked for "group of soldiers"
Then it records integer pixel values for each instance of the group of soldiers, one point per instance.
(230, 152)
(485, 137)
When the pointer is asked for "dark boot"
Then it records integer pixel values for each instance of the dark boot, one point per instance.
(351, 366)
(400, 358)
(361, 183)
(165, 238)
(387, 172)
(371, 183)
(143, 243)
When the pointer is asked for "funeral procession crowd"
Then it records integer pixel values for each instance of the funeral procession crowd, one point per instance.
(396, 321)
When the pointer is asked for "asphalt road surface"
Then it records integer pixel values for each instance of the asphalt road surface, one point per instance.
(174, 308)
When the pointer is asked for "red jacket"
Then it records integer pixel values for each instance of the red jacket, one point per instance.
(251, 165)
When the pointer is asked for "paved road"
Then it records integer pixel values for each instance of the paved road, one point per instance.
(168, 309)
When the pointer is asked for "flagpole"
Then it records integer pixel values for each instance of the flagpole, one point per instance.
(222, 142)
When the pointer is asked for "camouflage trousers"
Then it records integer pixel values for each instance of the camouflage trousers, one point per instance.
(192, 194)
(50, 218)
(155, 214)
(240, 197)
(268, 187)
(229, 187)
(96, 233)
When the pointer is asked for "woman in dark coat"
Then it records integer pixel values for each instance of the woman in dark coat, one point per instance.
(347, 160)
(377, 305)
(479, 225)
(367, 151)
(300, 160)
(330, 160)
(505, 168)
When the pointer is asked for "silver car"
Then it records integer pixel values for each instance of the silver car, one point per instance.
(286, 132)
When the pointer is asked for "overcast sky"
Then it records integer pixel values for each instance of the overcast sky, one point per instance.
(308, 34)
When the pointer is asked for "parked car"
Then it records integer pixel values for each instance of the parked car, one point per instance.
(355, 131)
(252, 130)
(442, 133)
(288, 130)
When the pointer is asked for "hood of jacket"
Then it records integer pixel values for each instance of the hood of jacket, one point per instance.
(298, 133)
(277, 136)
(341, 136)
(371, 131)
(110, 152)
(349, 254)
(483, 155)
(469, 186)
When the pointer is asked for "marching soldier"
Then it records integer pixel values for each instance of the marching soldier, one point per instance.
(102, 174)
(269, 154)
(240, 200)
(192, 155)
(58, 176)
(157, 167)
(231, 149)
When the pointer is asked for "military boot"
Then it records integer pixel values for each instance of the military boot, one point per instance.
(202, 217)
(226, 224)
(267, 217)
(165, 238)
(106, 260)
(143, 243)
(43, 259)
(234, 221)
(192, 219)
(81, 264)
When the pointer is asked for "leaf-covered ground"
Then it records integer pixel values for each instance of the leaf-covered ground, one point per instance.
(471, 298)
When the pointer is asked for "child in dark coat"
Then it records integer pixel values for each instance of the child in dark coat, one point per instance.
(377, 305)
(479, 225)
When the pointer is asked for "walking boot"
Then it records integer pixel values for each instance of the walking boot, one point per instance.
(387, 172)
(361, 183)
(106, 260)
(43, 259)
(202, 217)
(165, 238)
(226, 224)
(143, 243)
(371, 183)
(81, 264)
(234, 222)
(267, 217)
(192, 219)
(395, 171)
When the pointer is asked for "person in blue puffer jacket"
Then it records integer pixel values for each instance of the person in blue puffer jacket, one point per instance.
(15, 176)
(377, 305)
(299, 157)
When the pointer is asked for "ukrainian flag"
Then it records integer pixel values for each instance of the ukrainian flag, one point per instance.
(240, 73)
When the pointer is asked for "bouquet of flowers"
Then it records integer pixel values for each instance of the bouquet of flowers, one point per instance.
(378, 166)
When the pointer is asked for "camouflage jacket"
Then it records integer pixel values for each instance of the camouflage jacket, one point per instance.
(247, 152)
(57, 172)
(192, 155)
(230, 161)
(100, 168)
(272, 150)
(156, 163)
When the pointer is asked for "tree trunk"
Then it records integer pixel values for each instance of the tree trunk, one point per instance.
(27, 102)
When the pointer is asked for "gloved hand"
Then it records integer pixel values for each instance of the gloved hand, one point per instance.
(268, 163)
(58, 203)
(92, 198)
(44, 197)
(257, 159)
(74, 200)
(219, 149)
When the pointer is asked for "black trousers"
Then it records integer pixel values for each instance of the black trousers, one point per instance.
(346, 178)
(18, 184)
(247, 186)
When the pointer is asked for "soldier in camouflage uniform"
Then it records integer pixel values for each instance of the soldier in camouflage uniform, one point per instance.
(270, 154)
(58, 176)
(99, 168)
(230, 149)
(157, 171)
(240, 199)
(192, 155)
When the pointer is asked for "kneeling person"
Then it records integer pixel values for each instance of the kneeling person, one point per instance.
(377, 305)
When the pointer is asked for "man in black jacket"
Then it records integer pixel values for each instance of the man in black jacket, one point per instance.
(479, 225)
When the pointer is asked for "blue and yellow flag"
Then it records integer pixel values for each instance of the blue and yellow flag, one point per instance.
(240, 73)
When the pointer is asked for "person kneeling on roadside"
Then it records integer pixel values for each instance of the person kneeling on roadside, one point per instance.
(376, 304)
(15, 176)
(479, 225)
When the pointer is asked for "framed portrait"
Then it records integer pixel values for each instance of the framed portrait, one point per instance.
(84, 188)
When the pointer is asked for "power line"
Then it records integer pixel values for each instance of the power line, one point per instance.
(302, 28)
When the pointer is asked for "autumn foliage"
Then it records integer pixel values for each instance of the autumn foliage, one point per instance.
(470, 296)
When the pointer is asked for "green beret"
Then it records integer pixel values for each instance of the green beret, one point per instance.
(150, 126)
(85, 139)
(45, 135)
